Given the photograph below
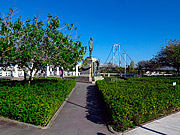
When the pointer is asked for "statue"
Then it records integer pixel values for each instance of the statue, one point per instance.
(91, 46)
(96, 67)
(98, 64)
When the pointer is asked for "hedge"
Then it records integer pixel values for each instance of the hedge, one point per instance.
(135, 101)
(34, 104)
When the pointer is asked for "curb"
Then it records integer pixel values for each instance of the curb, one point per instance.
(119, 133)
(113, 132)
(50, 122)
(145, 123)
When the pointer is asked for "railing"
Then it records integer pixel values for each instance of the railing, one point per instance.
(71, 73)
(118, 74)
(110, 74)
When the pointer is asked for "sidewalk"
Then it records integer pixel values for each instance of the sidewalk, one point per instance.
(169, 125)
(81, 115)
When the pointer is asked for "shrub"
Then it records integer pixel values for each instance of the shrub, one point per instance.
(135, 101)
(34, 104)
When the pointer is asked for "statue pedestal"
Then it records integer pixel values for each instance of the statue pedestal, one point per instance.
(87, 74)
(96, 78)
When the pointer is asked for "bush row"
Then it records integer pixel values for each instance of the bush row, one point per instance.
(34, 104)
(135, 101)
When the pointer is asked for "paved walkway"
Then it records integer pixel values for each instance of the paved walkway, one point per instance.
(169, 125)
(81, 115)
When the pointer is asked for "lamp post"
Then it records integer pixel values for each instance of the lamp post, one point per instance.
(125, 64)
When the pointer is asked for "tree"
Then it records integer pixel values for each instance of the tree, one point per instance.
(34, 44)
(153, 64)
(142, 65)
(170, 55)
(131, 69)
(132, 65)
(7, 39)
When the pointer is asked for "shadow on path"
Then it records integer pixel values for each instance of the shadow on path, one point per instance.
(157, 132)
(100, 133)
(75, 104)
(94, 106)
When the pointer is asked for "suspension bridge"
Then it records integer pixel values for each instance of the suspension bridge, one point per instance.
(118, 56)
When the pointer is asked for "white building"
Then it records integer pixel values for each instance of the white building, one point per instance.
(14, 71)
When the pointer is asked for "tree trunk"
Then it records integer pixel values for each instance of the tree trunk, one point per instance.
(24, 75)
(36, 72)
(178, 70)
(30, 76)
(142, 72)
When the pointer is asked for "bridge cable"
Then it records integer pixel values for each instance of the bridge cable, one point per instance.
(108, 56)
(127, 54)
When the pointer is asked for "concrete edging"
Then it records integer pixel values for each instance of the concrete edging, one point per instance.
(112, 131)
(50, 122)
(145, 123)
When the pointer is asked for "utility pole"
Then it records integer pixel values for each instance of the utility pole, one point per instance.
(125, 64)
(116, 53)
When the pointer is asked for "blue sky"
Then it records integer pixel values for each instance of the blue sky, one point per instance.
(140, 26)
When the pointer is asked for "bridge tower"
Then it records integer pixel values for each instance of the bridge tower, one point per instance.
(116, 55)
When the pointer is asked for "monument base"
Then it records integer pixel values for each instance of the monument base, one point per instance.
(87, 74)
(87, 70)
(98, 78)
(85, 79)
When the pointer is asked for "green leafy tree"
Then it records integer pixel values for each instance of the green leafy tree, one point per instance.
(170, 55)
(34, 44)
(153, 64)
(132, 65)
(63, 49)
(7, 40)
(132, 68)
(141, 66)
